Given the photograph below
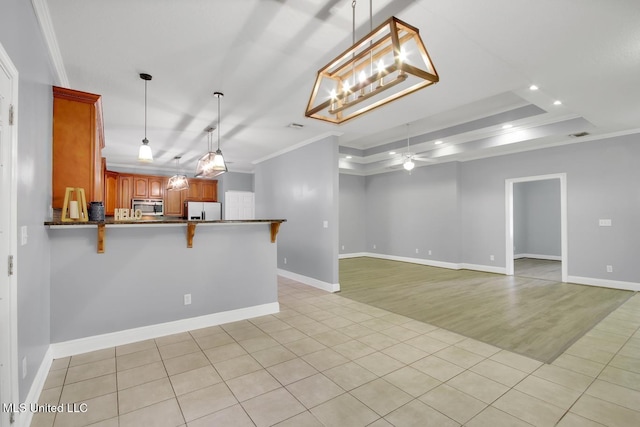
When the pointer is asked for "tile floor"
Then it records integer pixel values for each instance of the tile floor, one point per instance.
(327, 360)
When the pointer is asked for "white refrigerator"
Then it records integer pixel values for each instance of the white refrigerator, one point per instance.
(204, 211)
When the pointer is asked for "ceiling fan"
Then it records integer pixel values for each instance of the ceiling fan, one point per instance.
(408, 158)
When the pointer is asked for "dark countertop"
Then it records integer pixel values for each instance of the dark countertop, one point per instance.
(156, 220)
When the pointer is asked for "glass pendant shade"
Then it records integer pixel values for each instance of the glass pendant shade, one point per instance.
(178, 183)
(145, 154)
(409, 165)
(212, 164)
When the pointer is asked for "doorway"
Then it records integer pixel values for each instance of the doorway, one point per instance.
(8, 225)
(538, 263)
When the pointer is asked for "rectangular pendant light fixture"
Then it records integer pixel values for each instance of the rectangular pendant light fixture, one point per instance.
(388, 63)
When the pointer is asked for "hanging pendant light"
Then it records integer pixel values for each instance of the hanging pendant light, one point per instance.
(145, 154)
(408, 163)
(178, 182)
(212, 164)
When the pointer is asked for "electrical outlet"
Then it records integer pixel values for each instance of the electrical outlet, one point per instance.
(374, 246)
(24, 367)
(604, 223)
(343, 247)
(417, 251)
(429, 252)
(609, 268)
(285, 260)
(187, 299)
(325, 224)
(492, 258)
(23, 235)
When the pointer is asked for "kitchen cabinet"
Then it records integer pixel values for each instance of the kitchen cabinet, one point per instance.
(155, 187)
(148, 187)
(125, 191)
(110, 192)
(202, 190)
(173, 201)
(78, 140)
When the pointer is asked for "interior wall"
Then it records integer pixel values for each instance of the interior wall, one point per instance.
(301, 186)
(352, 214)
(536, 219)
(21, 37)
(233, 181)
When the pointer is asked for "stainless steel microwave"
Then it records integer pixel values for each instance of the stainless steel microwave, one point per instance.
(148, 206)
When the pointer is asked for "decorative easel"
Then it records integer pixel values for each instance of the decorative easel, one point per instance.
(74, 208)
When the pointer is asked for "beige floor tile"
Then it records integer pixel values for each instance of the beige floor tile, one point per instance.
(140, 375)
(344, 410)
(94, 356)
(214, 340)
(353, 349)
(492, 417)
(396, 319)
(459, 356)
(247, 333)
(325, 359)
(357, 316)
(405, 353)
(548, 391)
(90, 370)
(172, 339)
(477, 347)
(50, 396)
(62, 363)
(590, 353)
(187, 362)
(605, 413)
(350, 375)
(379, 363)
(613, 393)
(400, 333)
(427, 343)
(195, 379)
(378, 341)
(144, 395)
(579, 365)
(233, 416)
(412, 381)
(236, 367)
(98, 409)
(139, 358)
(166, 413)
(446, 336)
(287, 335)
(206, 401)
(420, 327)
(356, 331)
(529, 409)
(296, 321)
(272, 407)
(477, 386)
(499, 372)
(291, 370)
(337, 322)
(251, 385)
(331, 338)
(525, 364)
(252, 345)
(210, 330)
(313, 328)
(273, 355)
(274, 326)
(453, 403)
(437, 368)
(134, 347)
(572, 420)
(620, 377)
(377, 324)
(88, 389)
(381, 396)
(564, 377)
(627, 363)
(314, 390)
(417, 414)
(178, 349)
(55, 379)
(304, 419)
(224, 352)
(261, 320)
(305, 346)
(43, 419)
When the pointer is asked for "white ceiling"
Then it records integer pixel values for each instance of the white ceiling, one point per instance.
(264, 55)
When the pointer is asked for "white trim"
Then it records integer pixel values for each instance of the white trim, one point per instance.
(421, 261)
(564, 254)
(41, 10)
(296, 146)
(353, 255)
(615, 284)
(538, 256)
(24, 418)
(485, 268)
(98, 342)
(325, 286)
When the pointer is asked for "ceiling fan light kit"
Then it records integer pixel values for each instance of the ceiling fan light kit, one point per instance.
(387, 64)
(144, 153)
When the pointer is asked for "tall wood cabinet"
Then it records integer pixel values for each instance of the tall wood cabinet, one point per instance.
(110, 192)
(78, 140)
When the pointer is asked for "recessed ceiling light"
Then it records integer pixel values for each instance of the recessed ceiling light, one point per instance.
(507, 126)
(349, 157)
(557, 102)
(392, 152)
(533, 87)
(295, 125)
(437, 142)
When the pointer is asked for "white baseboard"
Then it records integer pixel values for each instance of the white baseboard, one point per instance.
(98, 342)
(421, 261)
(485, 268)
(329, 287)
(615, 284)
(353, 255)
(538, 256)
(23, 419)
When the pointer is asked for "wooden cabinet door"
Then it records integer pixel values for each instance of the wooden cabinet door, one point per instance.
(140, 187)
(125, 191)
(194, 193)
(110, 192)
(173, 201)
(155, 187)
(209, 191)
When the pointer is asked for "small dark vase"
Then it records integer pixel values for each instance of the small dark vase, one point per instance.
(96, 211)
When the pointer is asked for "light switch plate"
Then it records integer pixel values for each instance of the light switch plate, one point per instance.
(23, 235)
(604, 222)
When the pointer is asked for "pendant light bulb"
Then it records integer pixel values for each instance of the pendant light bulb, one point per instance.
(144, 153)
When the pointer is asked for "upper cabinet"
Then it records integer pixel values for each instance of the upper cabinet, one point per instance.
(78, 140)
(202, 190)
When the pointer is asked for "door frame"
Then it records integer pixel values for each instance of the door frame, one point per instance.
(9, 202)
(509, 244)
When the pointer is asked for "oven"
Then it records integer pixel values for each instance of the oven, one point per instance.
(148, 206)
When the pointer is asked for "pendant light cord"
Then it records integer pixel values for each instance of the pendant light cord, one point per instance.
(219, 95)
(145, 110)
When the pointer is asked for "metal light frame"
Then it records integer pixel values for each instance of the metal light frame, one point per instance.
(337, 97)
(212, 164)
(178, 182)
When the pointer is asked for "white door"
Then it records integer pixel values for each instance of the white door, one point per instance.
(239, 205)
(8, 378)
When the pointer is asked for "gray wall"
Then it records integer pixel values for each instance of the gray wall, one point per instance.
(405, 212)
(145, 271)
(353, 213)
(233, 181)
(301, 186)
(21, 37)
(536, 218)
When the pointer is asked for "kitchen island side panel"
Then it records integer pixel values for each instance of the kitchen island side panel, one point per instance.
(142, 277)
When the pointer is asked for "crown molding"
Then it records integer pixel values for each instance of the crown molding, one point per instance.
(41, 10)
